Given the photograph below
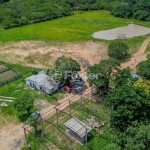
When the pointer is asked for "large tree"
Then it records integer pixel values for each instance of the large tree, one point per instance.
(101, 74)
(24, 103)
(143, 68)
(134, 138)
(118, 49)
(122, 78)
(65, 68)
(129, 104)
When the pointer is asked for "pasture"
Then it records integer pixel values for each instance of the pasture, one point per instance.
(78, 27)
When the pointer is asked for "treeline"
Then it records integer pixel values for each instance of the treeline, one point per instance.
(15, 13)
(137, 9)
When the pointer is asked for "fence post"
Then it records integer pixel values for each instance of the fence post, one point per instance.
(81, 101)
(70, 109)
(98, 126)
(91, 92)
(56, 116)
(42, 135)
(71, 147)
(86, 138)
(27, 145)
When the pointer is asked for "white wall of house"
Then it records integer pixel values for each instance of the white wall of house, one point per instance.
(40, 88)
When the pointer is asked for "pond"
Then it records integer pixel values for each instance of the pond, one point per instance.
(128, 31)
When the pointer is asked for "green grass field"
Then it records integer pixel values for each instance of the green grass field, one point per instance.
(78, 27)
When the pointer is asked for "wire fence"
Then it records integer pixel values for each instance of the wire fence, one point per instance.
(85, 109)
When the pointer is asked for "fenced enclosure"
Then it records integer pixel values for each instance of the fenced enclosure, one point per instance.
(8, 74)
(85, 109)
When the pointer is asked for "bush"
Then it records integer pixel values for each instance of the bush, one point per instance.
(118, 49)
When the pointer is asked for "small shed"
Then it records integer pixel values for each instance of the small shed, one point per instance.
(42, 82)
(78, 129)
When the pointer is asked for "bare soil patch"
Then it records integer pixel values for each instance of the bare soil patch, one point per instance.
(139, 56)
(41, 54)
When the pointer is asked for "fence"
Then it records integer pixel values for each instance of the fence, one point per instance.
(83, 109)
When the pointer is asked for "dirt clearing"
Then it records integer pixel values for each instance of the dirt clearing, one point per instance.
(41, 54)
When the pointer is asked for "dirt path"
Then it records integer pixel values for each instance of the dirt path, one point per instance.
(139, 56)
(12, 137)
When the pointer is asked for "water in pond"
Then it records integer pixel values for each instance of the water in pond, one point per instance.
(129, 31)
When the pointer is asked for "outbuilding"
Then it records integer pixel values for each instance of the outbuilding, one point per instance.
(42, 82)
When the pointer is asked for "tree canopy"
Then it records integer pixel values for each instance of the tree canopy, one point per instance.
(135, 138)
(129, 104)
(65, 68)
(24, 103)
(143, 68)
(102, 73)
(118, 49)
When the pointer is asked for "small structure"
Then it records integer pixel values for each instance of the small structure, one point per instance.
(134, 75)
(78, 129)
(42, 82)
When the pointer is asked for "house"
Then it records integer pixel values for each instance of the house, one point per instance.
(42, 82)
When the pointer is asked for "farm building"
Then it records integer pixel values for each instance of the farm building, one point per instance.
(42, 82)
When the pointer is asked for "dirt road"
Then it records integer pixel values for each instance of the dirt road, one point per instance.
(139, 56)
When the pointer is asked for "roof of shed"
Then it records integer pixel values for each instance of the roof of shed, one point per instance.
(78, 127)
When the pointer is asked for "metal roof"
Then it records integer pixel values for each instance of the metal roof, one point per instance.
(43, 80)
(78, 127)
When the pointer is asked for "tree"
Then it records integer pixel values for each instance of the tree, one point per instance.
(135, 138)
(129, 104)
(122, 78)
(143, 68)
(33, 121)
(65, 69)
(145, 84)
(25, 103)
(101, 74)
(118, 49)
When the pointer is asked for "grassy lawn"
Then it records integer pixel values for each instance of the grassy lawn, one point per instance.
(16, 89)
(84, 114)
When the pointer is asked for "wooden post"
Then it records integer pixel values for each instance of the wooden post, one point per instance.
(71, 148)
(42, 135)
(98, 126)
(27, 145)
(81, 101)
(70, 109)
(91, 93)
(86, 138)
(56, 116)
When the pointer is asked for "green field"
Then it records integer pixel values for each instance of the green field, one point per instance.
(78, 27)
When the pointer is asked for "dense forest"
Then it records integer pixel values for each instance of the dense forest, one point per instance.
(14, 13)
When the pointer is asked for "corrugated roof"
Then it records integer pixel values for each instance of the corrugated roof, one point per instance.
(78, 127)
(43, 80)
